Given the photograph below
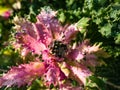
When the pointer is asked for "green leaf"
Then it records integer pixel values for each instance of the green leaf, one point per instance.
(69, 2)
(117, 39)
(62, 17)
(33, 18)
(106, 30)
(82, 22)
(74, 83)
(96, 82)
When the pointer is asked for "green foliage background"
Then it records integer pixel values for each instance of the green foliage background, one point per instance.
(103, 27)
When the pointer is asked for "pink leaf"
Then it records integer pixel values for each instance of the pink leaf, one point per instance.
(70, 33)
(23, 74)
(91, 60)
(22, 24)
(51, 23)
(81, 72)
(43, 34)
(75, 54)
(30, 43)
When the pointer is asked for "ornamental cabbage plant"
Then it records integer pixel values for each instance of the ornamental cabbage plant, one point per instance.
(56, 56)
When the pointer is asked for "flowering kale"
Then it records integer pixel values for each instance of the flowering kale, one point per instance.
(58, 59)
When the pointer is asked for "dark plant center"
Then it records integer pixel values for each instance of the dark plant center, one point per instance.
(59, 49)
